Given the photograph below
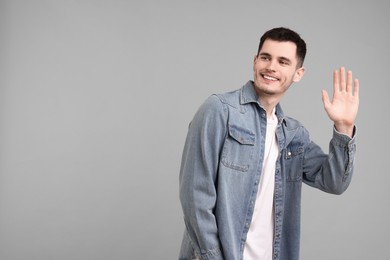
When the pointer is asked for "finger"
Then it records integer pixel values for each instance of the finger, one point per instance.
(356, 90)
(342, 79)
(325, 98)
(336, 85)
(349, 82)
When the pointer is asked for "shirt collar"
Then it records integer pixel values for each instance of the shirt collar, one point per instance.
(248, 95)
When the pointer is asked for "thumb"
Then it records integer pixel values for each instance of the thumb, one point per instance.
(325, 99)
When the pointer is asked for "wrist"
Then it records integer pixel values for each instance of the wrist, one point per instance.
(346, 129)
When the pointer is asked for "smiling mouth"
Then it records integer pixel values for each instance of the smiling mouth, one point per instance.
(267, 77)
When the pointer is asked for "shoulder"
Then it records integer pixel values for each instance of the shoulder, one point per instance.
(219, 102)
(212, 105)
(212, 111)
(231, 98)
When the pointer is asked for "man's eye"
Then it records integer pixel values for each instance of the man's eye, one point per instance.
(264, 58)
(283, 62)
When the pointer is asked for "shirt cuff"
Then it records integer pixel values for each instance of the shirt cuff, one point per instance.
(343, 138)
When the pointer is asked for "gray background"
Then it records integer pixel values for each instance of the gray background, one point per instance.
(96, 97)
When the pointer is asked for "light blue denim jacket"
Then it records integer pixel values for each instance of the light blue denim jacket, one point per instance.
(221, 168)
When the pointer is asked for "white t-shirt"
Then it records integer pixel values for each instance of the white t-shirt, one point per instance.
(259, 242)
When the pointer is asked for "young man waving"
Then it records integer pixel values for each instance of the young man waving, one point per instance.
(244, 161)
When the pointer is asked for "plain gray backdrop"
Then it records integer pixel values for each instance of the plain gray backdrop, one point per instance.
(96, 97)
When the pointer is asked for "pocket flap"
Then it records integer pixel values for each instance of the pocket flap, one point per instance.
(242, 135)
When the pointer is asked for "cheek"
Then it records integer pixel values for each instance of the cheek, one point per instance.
(258, 65)
(290, 76)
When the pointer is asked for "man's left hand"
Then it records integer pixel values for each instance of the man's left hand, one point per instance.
(344, 106)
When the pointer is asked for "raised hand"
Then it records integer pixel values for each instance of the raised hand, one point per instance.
(343, 108)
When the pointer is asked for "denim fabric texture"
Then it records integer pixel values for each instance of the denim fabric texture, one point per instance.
(221, 168)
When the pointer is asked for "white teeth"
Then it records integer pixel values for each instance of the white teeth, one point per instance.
(269, 78)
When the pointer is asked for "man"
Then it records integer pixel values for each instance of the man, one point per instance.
(244, 161)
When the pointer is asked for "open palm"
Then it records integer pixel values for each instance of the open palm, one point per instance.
(343, 108)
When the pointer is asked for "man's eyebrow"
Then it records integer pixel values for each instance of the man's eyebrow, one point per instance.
(285, 59)
(265, 54)
(281, 58)
(269, 55)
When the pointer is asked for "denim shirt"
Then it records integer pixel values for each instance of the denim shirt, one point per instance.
(221, 168)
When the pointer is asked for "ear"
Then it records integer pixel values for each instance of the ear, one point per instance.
(299, 74)
(254, 62)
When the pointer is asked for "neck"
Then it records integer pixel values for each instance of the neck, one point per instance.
(269, 104)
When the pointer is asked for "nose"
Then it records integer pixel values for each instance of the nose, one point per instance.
(271, 65)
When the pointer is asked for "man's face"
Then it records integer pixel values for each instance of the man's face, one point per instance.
(275, 68)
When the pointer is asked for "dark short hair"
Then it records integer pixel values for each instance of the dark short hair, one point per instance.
(282, 34)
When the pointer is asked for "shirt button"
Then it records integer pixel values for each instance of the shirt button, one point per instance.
(289, 153)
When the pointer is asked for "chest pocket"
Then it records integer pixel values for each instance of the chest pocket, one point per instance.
(293, 156)
(238, 149)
